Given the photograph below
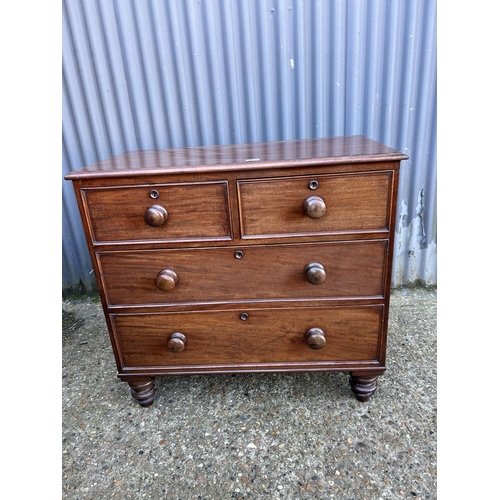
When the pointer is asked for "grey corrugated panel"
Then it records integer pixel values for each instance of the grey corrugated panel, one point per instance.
(161, 73)
(76, 265)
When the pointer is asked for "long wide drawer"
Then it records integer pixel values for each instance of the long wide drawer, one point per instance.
(248, 336)
(324, 204)
(261, 272)
(160, 212)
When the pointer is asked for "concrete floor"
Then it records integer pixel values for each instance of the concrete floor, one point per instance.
(252, 436)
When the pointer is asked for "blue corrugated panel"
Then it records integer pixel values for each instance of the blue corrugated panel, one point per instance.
(158, 73)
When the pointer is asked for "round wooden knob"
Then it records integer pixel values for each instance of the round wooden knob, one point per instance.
(176, 342)
(166, 280)
(315, 273)
(155, 215)
(314, 207)
(316, 338)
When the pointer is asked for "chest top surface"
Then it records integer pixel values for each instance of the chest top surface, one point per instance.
(251, 156)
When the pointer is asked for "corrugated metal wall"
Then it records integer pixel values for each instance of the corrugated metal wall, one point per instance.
(171, 73)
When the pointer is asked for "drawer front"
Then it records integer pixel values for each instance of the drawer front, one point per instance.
(263, 272)
(194, 211)
(350, 202)
(266, 336)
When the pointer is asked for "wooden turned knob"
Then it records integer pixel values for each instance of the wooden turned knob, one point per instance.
(166, 280)
(315, 273)
(155, 215)
(314, 207)
(176, 342)
(316, 338)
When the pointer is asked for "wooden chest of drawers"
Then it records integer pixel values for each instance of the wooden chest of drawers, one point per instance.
(244, 258)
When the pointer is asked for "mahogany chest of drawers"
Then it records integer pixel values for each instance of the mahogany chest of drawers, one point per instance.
(258, 257)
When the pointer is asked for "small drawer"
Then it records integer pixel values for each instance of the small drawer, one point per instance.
(248, 336)
(260, 272)
(159, 213)
(323, 204)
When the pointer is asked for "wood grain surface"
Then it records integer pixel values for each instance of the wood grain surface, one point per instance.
(267, 335)
(195, 211)
(280, 154)
(354, 202)
(265, 272)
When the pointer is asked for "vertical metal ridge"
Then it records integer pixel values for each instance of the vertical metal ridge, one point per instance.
(156, 74)
(269, 54)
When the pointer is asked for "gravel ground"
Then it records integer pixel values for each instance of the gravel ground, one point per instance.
(251, 436)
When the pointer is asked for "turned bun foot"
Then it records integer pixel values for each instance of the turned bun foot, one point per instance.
(143, 390)
(363, 386)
